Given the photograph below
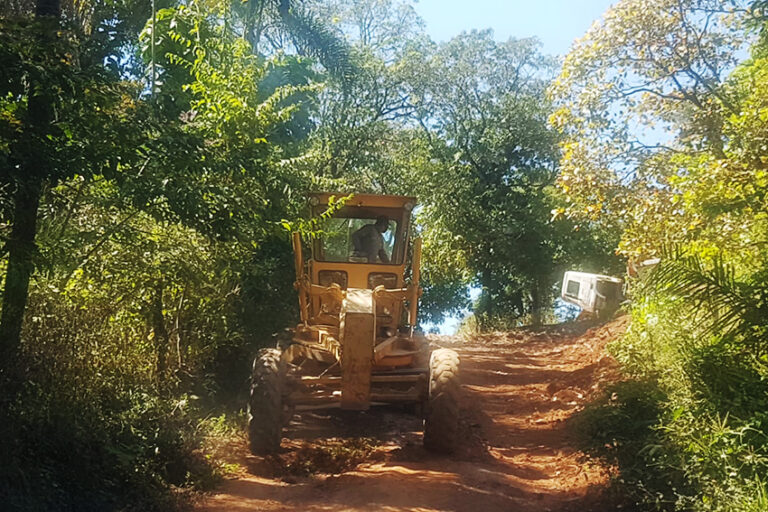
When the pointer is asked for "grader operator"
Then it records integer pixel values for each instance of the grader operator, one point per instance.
(356, 344)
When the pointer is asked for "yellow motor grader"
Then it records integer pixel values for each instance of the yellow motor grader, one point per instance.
(356, 345)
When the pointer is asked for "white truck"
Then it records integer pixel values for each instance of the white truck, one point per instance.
(594, 293)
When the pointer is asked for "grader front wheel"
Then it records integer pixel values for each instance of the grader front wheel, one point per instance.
(441, 421)
(265, 405)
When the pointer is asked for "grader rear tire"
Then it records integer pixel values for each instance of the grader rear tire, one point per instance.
(441, 420)
(265, 405)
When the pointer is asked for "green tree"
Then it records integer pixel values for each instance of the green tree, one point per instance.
(363, 128)
(53, 95)
(462, 123)
(695, 196)
(640, 99)
(160, 263)
(483, 105)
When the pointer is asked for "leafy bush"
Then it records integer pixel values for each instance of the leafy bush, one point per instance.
(98, 449)
(690, 430)
(622, 428)
(130, 338)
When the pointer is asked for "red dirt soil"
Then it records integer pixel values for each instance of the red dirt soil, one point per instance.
(516, 452)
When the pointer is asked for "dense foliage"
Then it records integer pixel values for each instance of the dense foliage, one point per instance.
(150, 161)
(151, 155)
(664, 140)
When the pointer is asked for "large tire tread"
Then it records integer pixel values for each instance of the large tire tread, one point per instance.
(265, 405)
(441, 421)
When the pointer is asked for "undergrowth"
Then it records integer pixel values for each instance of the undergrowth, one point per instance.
(688, 428)
(130, 372)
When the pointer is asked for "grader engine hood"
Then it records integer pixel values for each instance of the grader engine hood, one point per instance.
(357, 328)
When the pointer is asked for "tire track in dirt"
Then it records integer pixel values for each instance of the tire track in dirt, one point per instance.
(516, 453)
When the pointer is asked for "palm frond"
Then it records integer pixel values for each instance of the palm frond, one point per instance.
(313, 37)
(710, 291)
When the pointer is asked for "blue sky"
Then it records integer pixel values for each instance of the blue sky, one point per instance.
(555, 22)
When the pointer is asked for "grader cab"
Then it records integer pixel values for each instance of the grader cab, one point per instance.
(356, 345)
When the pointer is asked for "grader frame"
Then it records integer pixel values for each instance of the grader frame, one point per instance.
(356, 344)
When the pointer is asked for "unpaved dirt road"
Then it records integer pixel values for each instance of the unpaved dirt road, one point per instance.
(516, 454)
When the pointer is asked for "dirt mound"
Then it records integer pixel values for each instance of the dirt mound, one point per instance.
(516, 452)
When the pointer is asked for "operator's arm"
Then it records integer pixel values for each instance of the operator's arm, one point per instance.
(383, 256)
(356, 245)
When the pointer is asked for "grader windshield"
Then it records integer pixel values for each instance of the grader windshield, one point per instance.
(341, 238)
(337, 244)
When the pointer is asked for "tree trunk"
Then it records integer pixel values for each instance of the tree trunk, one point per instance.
(32, 171)
(486, 307)
(21, 253)
(160, 334)
(254, 24)
(536, 304)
